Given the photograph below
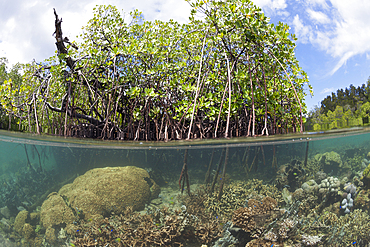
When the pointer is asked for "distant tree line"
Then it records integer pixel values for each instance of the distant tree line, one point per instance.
(349, 97)
(347, 107)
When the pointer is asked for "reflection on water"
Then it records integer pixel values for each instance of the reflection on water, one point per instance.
(302, 190)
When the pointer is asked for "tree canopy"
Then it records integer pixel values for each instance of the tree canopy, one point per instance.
(13, 79)
(347, 107)
(230, 73)
(351, 97)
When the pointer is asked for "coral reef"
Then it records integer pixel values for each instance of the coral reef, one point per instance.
(364, 163)
(310, 186)
(236, 194)
(347, 203)
(260, 243)
(330, 184)
(157, 228)
(20, 220)
(109, 190)
(55, 212)
(299, 207)
(366, 177)
(50, 235)
(350, 228)
(22, 185)
(195, 202)
(271, 236)
(362, 200)
(285, 227)
(99, 191)
(348, 196)
(329, 161)
(352, 165)
(27, 231)
(329, 218)
(287, 196)
(5, 211)
(5, 225)
(8, 242)
(281, 229)
(333, 230)
(290, 176)
(253, 217)
(309, 240)
(320, 175)
(282, 232)
(350, 188)
(227, 239)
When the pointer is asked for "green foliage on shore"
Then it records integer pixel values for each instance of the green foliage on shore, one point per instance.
(231, 73)
(12, 79)
(345, 108)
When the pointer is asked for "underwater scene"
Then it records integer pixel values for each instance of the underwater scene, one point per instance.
(311, 189)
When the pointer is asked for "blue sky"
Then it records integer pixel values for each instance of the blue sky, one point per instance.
(333, 44)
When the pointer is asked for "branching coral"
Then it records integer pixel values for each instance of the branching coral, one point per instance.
(196, 202)
(281, 232)
(285, 227)
(351, 228)
(158, 228)
(309, 240)
(236, 194)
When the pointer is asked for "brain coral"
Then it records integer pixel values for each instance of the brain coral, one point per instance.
(110, 189)
(55, 212)
(20, 220)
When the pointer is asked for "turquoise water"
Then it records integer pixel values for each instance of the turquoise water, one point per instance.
(32, 167)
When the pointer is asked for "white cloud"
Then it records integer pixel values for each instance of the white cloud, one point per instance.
(279, 4)
(327, 90)
(303, 32)
(342, 61)
(10, 24)
(27, 26)
(346, 29)
(352, 32)
(272, 7)
(273, 4)
(320, 3)
(318, 17)
(322, 39)
(283, 13)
